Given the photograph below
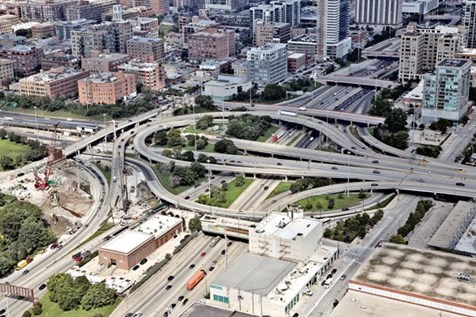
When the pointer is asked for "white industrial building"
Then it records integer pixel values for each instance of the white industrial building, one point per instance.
(225, 87)
(421, 7)
(286, 257)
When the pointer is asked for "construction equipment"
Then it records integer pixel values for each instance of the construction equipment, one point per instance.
(43, 183)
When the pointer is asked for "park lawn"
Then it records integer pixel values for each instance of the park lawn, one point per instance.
(281, 188)
(293, 140)
(165, 181)
(210, 148)
(268, 134)
(191, 130)
(383, 203)
(233, 191)
(164, 29)
(52, 114)
(51, 309)
(12, 149)
(350, 201)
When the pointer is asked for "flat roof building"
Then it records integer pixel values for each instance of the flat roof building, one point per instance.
(422, 277)
(27, 59)
(149, 74)
(145, 27)
(63, 28)
(212, 43)
(271, 32)
(106, 88)
(6, 71)
(268, 64)
(6, 22)
(146, 49)
(103, 62)
(53, 83)
(225, 87)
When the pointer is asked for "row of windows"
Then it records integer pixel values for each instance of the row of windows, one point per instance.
(221, 299)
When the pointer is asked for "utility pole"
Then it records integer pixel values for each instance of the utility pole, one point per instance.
(36, 123)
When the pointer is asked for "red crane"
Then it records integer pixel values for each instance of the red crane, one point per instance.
(42, 183)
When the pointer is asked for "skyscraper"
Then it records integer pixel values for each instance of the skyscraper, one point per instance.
(379, 12)
(469, 22)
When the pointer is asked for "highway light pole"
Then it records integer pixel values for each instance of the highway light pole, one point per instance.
(209, 180)
(195, 129)
(105, 128)
(348, 178)
(36, 123)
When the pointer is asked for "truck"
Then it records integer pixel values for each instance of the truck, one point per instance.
(287, 113)
(21, 264)
(278, 135)
(195, 279)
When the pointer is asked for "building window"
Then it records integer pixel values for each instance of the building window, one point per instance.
(221, 299)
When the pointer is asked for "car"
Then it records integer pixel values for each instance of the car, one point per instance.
(181, 298)
(460, 184)
(129, 315)
(229, 243)
(334, 168)
(119, 146)
(345, 208)
(185, 301)
(374, 184)
(2, 311)
(136, 267)
(172, 306)
(171, 277)
(223, 181)
(25, 272)
(137, 314)
(334, 271)
(187, 197)
(106, 238)
(166, 314)
(265, 187)
(211, 268)
(223, 252)
(353, 148)
(375, 161)
(191, 266)
(279, 164)
(375, 172)
(130, 120)
(203, 253)
(20, 174)
(168, 287)
(143, 261)
(296, 315)
(343, 277)
(42, 287)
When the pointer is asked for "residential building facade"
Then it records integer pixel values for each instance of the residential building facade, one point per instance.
(6, 71)
(272, 32)
(286, 11)
(27, 59)
(101, 62)
(379, 12)
(89, 10)
(268, 64)
(446, 92)
(146, 49)
(212, 43)
(148, 74)
(63, 28)
(469, 22)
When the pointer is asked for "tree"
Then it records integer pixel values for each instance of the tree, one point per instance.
(26, 314)
(6, 163)
(362, 194)
(3, 134)
(398, 238)
(205, 102)
(195, 224)
(330, 203)
(327, 233)
(224, 186)
(174, 138)
(204, 122)
(98, 295)
(239, 180)
(296, 187)
(273, 92)
(225, 146)
(187, 156)
(168, 257)
(396, 120)
(37, 310)
(198, 169)
(202, 143)
(33, 234)
(160, 138)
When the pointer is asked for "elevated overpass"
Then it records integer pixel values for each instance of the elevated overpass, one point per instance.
(357, 81)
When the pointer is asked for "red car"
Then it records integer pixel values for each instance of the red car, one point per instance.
(203, 253)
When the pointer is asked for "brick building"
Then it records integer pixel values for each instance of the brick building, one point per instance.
(212, 43)
(148, 74)
(6, 71)
(59, 59)
(100, 62)
(53, 83)
(106, 88)
(146, 49)
(27, 59)
(45, 29)
(131, 247)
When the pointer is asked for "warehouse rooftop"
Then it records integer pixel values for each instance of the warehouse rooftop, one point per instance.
(127, 242)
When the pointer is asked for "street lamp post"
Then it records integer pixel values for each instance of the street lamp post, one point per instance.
(195, 129)
(348, 176)
(105, 128)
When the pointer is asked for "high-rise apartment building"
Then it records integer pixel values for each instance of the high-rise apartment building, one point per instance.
(63, 28)
(446, 93)
(148, 74)
(53, 83)
(272, 32)
(469, 22)
(6, 22)
(45, 10)
(285, 11)
(422, 47)
(267, 64)
(112, 36)
(146, 49)
(379, 12)
(212, 43)
(106, 88)
(89, 10)
(145, 27)
(226, 5)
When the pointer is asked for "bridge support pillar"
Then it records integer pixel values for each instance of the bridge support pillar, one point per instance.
(244, 152)
(254, 176)
(286, 178)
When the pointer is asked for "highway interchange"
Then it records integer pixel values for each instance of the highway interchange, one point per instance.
(359, 159)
